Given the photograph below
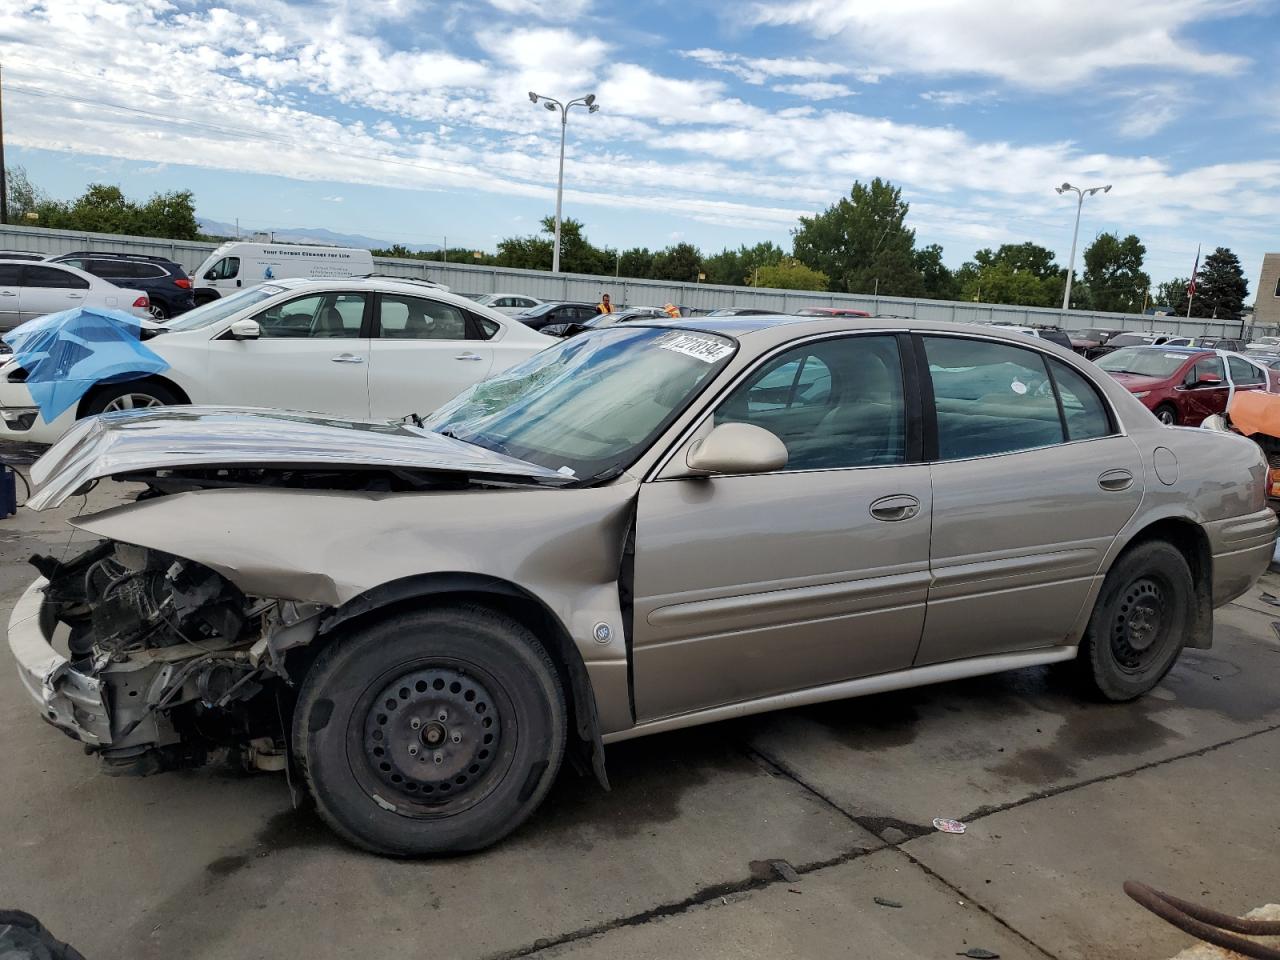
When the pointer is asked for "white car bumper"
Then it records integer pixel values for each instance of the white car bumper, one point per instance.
(20, 418)
(67, 698)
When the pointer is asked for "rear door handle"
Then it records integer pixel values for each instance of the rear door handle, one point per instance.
(897, 507)
(348, 358)
(1116, 480)
(468, 356)
(7, 293)
(75, 296)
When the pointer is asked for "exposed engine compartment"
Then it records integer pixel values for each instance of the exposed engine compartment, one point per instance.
(182, 656)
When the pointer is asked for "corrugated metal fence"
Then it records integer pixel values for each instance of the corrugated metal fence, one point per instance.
(473, 278)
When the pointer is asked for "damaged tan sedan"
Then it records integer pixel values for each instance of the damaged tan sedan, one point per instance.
(637, 530)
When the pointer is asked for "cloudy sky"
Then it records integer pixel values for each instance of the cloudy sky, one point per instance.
(720, 123)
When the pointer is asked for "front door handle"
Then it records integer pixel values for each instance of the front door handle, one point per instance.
(75, 296)
(1116, 480)
(468, 356)
(7, 293)
(348, 358)
(898, 507)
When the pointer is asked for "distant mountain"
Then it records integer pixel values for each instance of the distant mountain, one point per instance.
(315, 235)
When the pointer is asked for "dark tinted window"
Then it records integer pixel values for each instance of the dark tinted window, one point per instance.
(488, 328)
(53, 278)
(224, 269)
(10, 274)
(834, 403)
(1056, 336)
(1129, 340)
(990, 398)
(1083, 408)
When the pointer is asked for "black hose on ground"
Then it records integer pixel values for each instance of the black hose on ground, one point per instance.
(1205, 924)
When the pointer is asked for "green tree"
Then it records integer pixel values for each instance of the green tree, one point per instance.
(23, 196)
(738, 267)
(681, 262)
(636, 262)
(1113, 273)
(790, 274)
(1172, 292)
(862, 242)
(939, 283)
(1024, 274)
(170, 215)
(1220, 287)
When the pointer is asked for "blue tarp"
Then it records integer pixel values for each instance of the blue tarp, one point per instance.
(66, 354)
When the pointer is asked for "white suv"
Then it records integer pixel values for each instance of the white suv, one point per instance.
(29, 290)
(361, 348)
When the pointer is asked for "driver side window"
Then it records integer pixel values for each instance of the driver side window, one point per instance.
(833, 403)
(320, 316)
(1205, 371)
(224, 269)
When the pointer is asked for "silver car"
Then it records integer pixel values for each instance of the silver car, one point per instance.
(642, 528)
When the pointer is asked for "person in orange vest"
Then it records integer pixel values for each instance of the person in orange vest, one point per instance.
(604, 306)
(671, 310)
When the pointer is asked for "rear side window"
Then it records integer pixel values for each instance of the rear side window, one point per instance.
(10, 274)
(1082, 407)
(415, 318)
(53, 278)
(990, 398)
(1243, 372)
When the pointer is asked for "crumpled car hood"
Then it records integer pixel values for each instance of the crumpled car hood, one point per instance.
(208, 436)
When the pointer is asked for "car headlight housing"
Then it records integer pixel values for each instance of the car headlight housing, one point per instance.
(1144, 393)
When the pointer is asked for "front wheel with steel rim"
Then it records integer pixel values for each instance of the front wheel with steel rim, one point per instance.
(130, 395)
(1139, 623)
(431, 731)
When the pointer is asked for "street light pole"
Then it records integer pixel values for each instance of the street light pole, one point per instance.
(1071, 266)
(589, 101)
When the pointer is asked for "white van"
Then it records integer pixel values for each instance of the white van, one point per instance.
(235, 265)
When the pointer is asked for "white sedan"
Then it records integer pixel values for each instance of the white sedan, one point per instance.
(29, 290)
(508, 303)
(364, 348)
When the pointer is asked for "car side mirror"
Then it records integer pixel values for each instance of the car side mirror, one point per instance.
(246, 329)
(737, 448)
(208, 275)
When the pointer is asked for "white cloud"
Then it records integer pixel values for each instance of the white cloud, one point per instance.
(816, 90)
(333, 199)
(1043, 44)
(758, 70)
(544, 9)
(957, 98)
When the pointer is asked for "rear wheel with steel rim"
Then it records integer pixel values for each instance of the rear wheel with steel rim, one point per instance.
(130, 395)
(431, 731)
(1167, 414)
(157, 312)
(1139, 623)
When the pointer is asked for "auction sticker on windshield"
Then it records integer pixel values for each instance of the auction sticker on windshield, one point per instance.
(706, 349)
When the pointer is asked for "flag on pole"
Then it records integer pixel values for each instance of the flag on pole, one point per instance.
(1191, 287)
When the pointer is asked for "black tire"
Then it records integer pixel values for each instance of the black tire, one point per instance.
(468, 712)
(1139, 623)
(159, 312)
(1167, 413)
(108, 396)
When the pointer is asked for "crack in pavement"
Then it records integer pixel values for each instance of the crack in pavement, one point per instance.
(703, 897)
(895, 846)
(982, 812)
(1068, 787)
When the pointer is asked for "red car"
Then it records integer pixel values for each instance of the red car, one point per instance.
(1183, 385)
